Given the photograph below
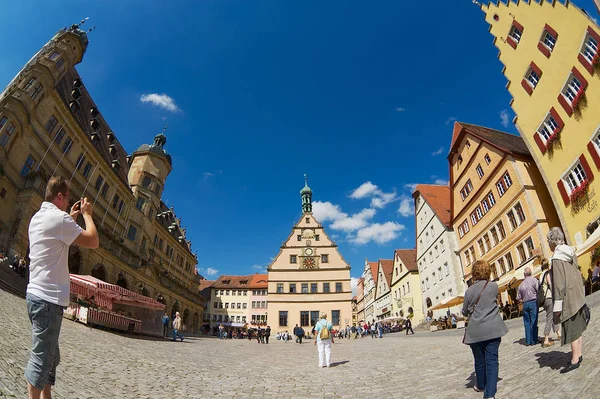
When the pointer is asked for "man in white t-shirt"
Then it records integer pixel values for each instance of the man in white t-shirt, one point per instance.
(51, 231)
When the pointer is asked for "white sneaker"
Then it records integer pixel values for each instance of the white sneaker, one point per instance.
(320, 365)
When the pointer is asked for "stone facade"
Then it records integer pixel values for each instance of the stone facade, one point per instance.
(50, 125)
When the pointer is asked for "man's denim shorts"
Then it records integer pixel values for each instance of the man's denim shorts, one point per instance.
(46, 319)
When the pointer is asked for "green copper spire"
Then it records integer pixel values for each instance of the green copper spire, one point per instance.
(306, 194)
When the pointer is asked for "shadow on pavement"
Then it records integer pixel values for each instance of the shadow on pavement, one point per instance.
(335, 364)
(472, 380)
(555, 360)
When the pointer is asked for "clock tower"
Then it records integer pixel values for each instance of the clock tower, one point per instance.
(308, 276)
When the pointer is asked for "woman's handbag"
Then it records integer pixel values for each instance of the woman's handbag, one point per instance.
(585, 312)
(471, 311)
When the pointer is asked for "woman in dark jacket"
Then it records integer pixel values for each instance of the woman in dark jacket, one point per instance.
(485, 328)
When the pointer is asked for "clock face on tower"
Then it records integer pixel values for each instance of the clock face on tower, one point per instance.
(309, 263)
(308, 251)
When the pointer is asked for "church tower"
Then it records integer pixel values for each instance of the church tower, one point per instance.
(308, 276)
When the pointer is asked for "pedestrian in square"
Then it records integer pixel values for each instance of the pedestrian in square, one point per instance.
(409, 326)
(527, 293)
(165, 322)
(485, 329)
(324, 339)
(177, 326)
(568, 296)
(267, 334)
(51, 232)
(546, 287)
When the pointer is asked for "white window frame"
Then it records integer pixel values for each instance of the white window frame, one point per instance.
(474, 219)
(500, 187)
(548, 128)
(574, 178)
(571, 88)
(548, 40)
(479, 170)
(507, 180)
(532, 78)
(515, 33)
(589, 48)
(479, 212)
(491, 199)
(487, 159)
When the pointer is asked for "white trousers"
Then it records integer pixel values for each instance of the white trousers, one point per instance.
(324, 347)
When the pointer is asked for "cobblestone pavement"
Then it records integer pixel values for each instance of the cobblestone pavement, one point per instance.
(101, 364)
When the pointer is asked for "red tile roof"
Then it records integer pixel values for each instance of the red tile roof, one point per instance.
(409, 258)
(506, 142)
(259, 281)
(388, 269)
(374, 266)
(204, 288)
(236, 282)
(438, 198)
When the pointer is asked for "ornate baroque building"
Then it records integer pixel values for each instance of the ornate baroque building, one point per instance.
(308, 276)
(50, 125)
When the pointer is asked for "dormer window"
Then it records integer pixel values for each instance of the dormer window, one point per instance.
(226, 281)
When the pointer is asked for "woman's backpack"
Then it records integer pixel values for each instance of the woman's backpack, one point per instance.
(324, 334)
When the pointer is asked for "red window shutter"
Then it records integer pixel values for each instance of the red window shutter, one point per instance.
(586, 168)
(563, 192)
(549, 29)
(586, 64)
(536, 69)
(527, 86)
(563, 101)
(579, 76)
(538, 140)
(593, 33)
(557, 118)
(544, 49)
(511, 42)
(594, 153)
(518, 25)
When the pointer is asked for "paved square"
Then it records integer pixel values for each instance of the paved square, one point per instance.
(101, 364)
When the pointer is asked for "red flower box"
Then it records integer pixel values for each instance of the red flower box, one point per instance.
(596, 59)
(577, 99)
(553, 137)
(580, 192)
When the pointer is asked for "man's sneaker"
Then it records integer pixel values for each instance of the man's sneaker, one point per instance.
(476, 389)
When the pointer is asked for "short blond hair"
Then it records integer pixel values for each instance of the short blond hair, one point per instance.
(323, 315)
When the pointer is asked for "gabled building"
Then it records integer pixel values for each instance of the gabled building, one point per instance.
(230, 297)
(501, 209)
(360, 300)
(50, 125)
(308, 276)
(370, 285)
(439, 266)
(383, 298)
(407, 300)
(205, 292)
(550, 52)
(258, 299)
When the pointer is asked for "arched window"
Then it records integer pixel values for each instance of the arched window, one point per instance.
(428, 302)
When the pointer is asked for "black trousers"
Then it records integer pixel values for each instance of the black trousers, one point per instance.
(267, 338)
(165, 330)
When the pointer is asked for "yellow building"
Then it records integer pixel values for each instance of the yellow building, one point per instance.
(308, 276)
(407, 301)
(550, 54)
(50, 125)
(501, 209)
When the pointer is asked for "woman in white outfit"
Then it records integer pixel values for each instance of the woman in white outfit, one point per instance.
(323, 340)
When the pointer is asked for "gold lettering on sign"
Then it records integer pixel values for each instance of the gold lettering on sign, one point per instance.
(592, 204)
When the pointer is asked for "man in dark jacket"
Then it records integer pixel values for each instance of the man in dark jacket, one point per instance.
(267, 334)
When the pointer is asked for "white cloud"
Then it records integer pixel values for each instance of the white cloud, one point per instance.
(364, 190)
(260, 268)
(208, 174)
(380, 199)
(354, 222)
(354, 284)
(400, 109)
(438, 152)
(450, 120)
(208, 272)
(380, 233)
(160, 100)
(411, 186)
(324, 211)
(441, 182)
(504, 118)
(407, 207)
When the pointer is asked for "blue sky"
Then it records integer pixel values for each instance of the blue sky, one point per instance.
(360, 96)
